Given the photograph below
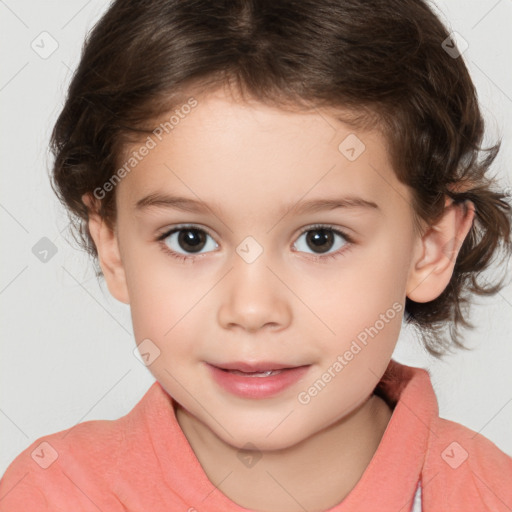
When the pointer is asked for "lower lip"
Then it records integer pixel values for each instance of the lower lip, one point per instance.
(257, 387)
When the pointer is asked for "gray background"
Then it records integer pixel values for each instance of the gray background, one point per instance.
(67, 345)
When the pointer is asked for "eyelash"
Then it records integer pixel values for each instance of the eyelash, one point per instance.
(317, 258)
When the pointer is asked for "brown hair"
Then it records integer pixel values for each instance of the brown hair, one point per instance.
(384, 61)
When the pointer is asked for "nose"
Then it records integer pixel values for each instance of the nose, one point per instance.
(253, 298)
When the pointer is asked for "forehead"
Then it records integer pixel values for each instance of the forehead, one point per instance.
(251, 155)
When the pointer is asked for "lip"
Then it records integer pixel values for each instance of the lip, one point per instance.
(262, 366)
(256, 387)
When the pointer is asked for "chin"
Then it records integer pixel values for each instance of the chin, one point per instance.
(261, 440)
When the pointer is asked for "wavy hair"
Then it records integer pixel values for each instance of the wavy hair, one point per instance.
(387, 63)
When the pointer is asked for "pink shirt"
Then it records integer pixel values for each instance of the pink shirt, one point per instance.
(142, 462)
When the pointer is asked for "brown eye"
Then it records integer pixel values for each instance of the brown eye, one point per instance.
(321, 239)
(191, 240)
(188, 240)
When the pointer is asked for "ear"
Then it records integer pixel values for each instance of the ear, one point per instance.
(437, 252)
(109, 256)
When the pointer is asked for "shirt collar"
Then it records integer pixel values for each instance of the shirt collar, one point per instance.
(390, 479)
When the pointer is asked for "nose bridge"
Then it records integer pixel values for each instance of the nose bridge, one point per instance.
(252, 296)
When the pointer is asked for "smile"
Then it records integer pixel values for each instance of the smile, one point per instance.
(256, 381)
(267, 373)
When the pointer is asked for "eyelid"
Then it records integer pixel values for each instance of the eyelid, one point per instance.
(317, 258)
(162, 234)
(330, 227)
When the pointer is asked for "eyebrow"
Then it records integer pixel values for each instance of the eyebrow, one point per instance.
(159, 200)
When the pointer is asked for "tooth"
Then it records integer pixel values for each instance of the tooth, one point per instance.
(266, 373)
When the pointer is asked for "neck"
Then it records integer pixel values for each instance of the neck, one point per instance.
(314, 475)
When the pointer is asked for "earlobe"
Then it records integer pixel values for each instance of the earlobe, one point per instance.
(432, 270)
(109, 256)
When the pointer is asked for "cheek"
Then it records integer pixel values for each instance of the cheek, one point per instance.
(159, 295)
(362, 304)
(364, 288)
(169, 309)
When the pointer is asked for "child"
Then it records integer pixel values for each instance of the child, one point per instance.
(322, 159)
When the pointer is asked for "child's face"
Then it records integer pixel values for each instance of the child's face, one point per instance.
(337, 317)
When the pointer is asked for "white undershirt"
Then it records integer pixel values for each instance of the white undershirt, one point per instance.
(416, 504)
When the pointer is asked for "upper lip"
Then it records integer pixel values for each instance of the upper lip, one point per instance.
(261, 366)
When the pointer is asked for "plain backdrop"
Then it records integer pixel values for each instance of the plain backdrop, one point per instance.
(67, 345)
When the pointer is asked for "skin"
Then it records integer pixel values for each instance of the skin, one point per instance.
(249, 162)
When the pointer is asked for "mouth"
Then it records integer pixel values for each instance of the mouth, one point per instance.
(256, 380)
(266, 373)
(260, 369)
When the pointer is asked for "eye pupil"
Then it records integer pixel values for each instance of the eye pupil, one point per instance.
(319, 238)
(191, 240)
